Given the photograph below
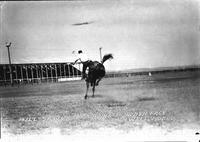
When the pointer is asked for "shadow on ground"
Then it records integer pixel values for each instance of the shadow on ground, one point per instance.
(147, 99)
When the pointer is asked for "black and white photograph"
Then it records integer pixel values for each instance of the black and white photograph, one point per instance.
(100, 71)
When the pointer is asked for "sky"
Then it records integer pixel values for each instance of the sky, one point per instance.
(139, 33)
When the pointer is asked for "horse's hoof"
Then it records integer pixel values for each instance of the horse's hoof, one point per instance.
(92, 96)
(85, 97)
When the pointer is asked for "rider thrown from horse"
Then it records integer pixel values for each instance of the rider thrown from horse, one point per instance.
(84, 60)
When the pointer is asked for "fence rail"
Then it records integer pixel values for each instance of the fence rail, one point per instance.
(37, 73)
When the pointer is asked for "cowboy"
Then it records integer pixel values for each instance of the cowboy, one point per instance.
(84, 60)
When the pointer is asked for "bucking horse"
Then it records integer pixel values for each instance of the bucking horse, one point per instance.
(96, 71)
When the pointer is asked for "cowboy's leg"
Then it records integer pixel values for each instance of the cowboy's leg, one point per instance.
(84, 68)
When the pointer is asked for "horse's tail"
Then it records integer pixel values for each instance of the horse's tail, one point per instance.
(106, 57)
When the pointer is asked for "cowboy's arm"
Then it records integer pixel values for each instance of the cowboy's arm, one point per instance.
(76, 61)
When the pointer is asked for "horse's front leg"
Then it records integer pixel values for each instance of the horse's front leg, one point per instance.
(93, 88)
(87, 87)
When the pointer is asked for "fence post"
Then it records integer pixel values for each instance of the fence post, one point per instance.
(68, 70)
(56, 72)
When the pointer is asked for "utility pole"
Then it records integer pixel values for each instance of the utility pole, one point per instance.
(10, 67)
(100, 54)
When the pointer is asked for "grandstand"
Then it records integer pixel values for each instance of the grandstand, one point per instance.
(38, 72)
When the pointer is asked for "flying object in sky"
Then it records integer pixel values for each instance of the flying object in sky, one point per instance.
(83, 23)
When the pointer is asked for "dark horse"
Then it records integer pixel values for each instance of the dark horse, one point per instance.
(95, 73)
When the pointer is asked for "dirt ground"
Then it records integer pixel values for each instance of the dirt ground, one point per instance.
(170, 101)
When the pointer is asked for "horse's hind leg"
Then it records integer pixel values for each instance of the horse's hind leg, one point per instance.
(97, 82)
(93, 88)
(87, 87)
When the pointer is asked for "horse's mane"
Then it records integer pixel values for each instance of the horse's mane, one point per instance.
(106, 57)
